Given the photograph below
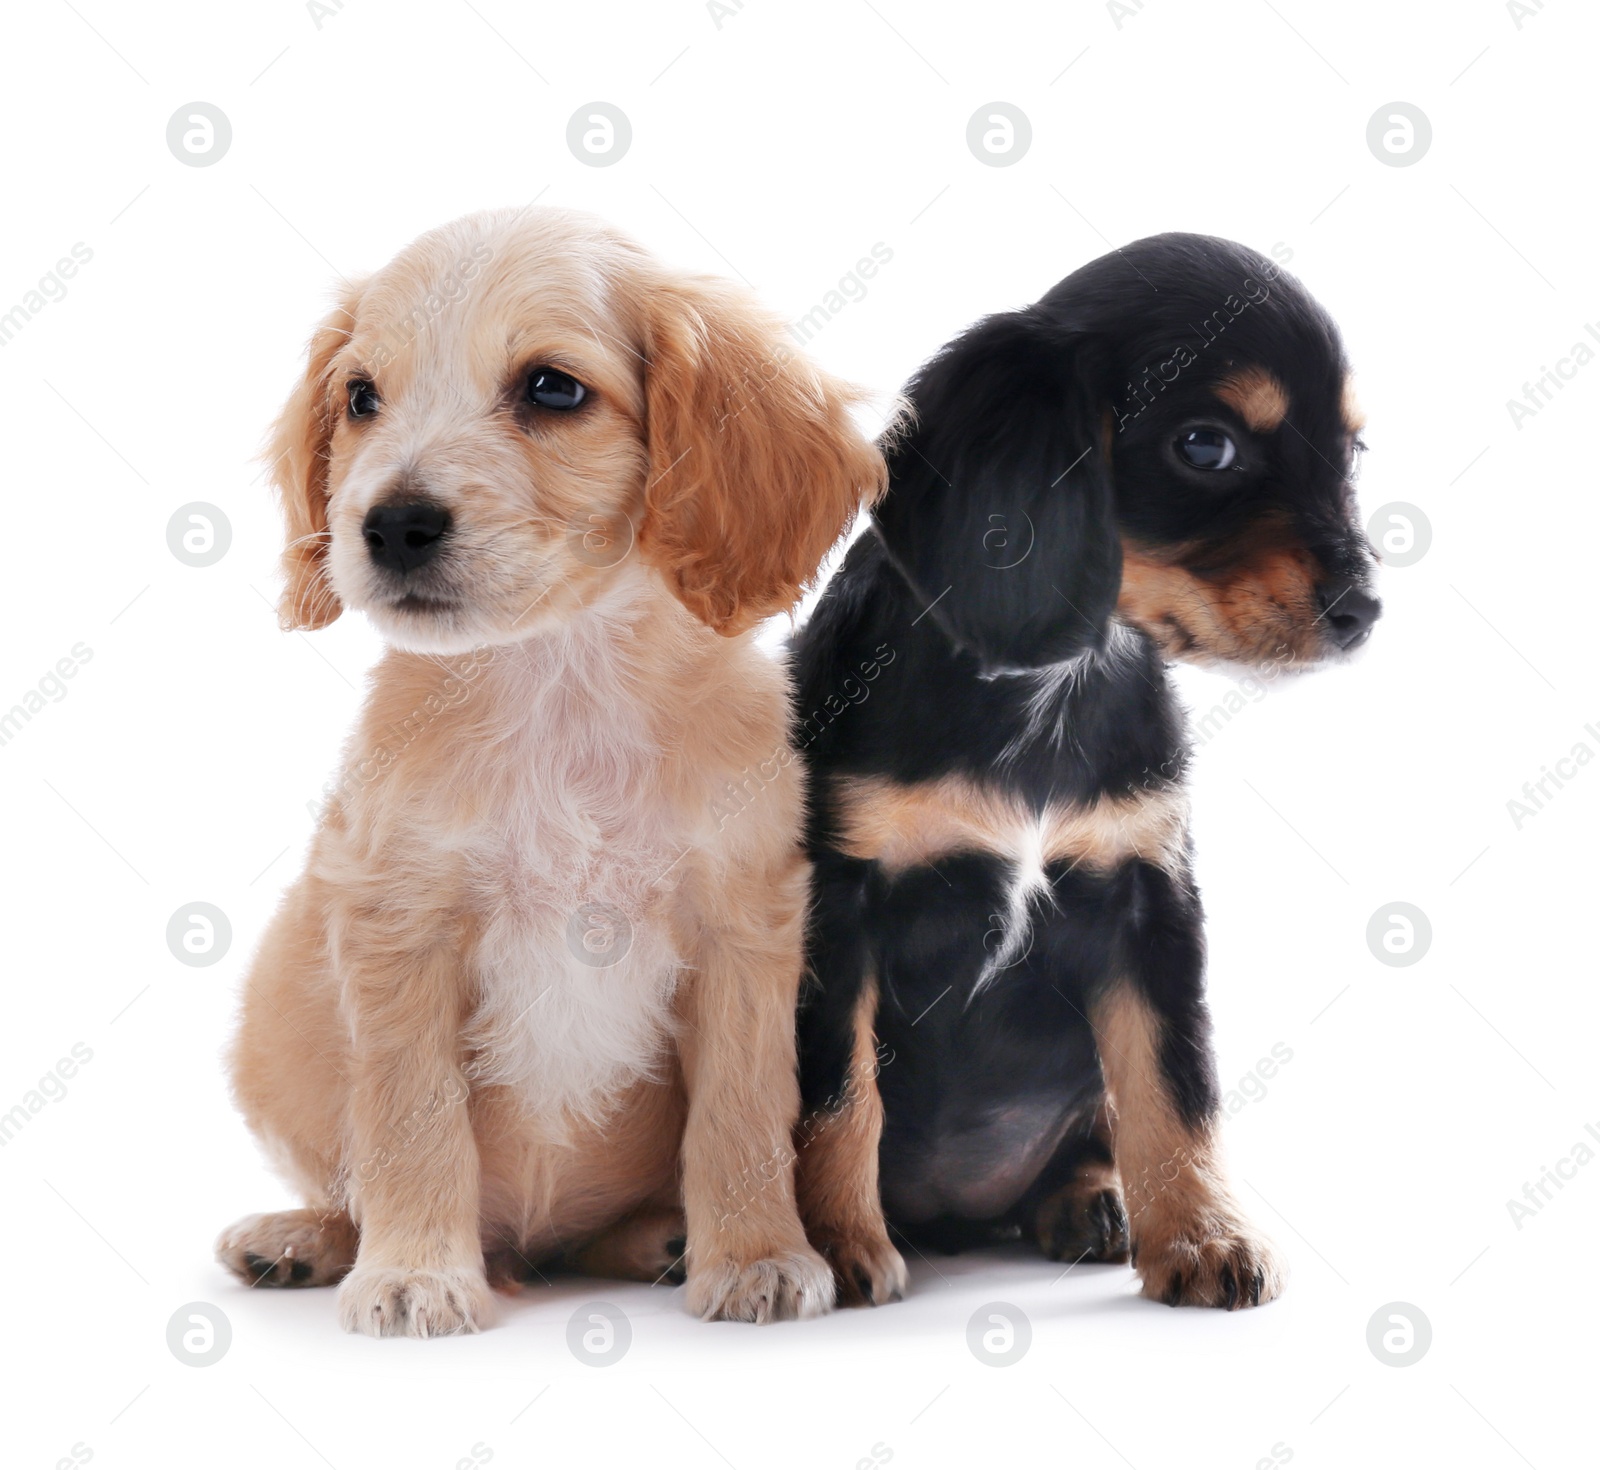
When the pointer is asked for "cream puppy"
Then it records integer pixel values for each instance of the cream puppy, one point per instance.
(534, 994)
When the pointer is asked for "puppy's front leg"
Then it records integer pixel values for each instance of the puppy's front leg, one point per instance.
(413, 1163)
(749, 1260)
(1191, 1241)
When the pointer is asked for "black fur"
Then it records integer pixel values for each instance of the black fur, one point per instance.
(1043, 440)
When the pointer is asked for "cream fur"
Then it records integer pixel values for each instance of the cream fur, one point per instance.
(423, 1048)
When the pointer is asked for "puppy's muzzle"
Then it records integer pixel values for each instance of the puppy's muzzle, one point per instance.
(1348, 612)
(404, 535)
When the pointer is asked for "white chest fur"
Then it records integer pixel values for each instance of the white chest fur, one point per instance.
(574, 962)
(567, 858)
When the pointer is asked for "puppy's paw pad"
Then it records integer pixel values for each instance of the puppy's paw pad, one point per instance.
(1083, 1225)
(676, 1270)
(1229, 1266)
(384, 1301)
(506, 1269)
(289, 1248)
(867, 1270)
(777, 1288)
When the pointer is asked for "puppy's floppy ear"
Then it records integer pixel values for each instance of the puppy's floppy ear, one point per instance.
(1000, 510)
(756, 467)
(298, 453)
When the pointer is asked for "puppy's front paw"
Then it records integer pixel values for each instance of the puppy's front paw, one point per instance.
(867, 1269)
(1219, 1262)
(385, 1301)
(796, 1283)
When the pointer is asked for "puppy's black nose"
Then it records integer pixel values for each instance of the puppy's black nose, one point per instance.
(404, 535)
(1349, 612)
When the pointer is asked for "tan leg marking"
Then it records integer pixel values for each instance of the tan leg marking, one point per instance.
(836, 1178)
(1191, 1242)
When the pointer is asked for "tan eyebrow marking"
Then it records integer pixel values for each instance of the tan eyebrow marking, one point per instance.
(1258, 398)
(1354, 419)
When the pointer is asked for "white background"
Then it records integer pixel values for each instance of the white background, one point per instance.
(783, 144)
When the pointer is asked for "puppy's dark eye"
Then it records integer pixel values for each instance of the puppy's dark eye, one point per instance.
(363, 398)
(1207, 449)
(549, 388)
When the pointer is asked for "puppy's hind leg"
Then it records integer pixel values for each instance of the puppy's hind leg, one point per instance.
(290, 1248)
(650, 1244)
(1078, 1213)
(288, 1069)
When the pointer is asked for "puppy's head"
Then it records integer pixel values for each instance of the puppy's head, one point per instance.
(1168, 437)
(523, 410)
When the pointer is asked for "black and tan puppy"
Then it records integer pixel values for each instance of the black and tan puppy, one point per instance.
(1007, 954)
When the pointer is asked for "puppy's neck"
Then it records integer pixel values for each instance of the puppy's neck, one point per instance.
(629, 643)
